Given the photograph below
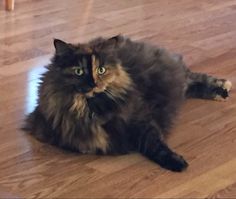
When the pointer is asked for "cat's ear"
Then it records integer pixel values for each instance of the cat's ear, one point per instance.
(61, 47)
(114, 40)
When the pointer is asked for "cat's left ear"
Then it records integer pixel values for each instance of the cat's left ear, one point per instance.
(114, 41)
(61, 47)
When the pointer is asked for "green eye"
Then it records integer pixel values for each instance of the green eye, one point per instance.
(101, 70)
(79, 71)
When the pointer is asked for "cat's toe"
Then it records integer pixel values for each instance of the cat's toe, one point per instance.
(227, 85)
(174, 162)
(221, 95)
(219, 98)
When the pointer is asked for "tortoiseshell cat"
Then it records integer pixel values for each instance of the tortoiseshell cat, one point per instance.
(112, 96)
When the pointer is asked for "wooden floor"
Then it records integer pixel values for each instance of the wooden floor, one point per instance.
(203, 31)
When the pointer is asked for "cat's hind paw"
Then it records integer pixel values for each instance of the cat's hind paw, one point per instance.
(222, 90)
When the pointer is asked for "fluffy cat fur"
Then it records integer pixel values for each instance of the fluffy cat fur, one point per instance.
(112, 96)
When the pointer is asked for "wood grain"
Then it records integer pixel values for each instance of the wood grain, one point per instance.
(205, 131)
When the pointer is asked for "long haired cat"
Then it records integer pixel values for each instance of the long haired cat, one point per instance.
(112, 96)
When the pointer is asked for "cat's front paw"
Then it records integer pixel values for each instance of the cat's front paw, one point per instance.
(173, 162)
(223, 89)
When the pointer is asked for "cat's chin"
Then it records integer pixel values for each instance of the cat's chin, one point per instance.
(89, 94)
(93, 92)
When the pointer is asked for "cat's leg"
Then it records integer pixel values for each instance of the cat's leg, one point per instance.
(204, 86)
(147, 140)
(116, 129)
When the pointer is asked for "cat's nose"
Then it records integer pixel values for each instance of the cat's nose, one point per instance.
(92, 84)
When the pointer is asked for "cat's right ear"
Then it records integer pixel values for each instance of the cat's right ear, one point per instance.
(61, 47)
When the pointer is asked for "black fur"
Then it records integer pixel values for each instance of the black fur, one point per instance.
(134, 110)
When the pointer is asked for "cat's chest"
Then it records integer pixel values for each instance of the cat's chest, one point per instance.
(97, 139)
(90, 136)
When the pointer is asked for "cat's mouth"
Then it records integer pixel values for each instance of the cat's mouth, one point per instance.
(94, 91)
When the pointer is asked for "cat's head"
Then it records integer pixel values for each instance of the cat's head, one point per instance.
(90, 69)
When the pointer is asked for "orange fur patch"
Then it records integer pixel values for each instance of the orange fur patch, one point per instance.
(79, 105)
